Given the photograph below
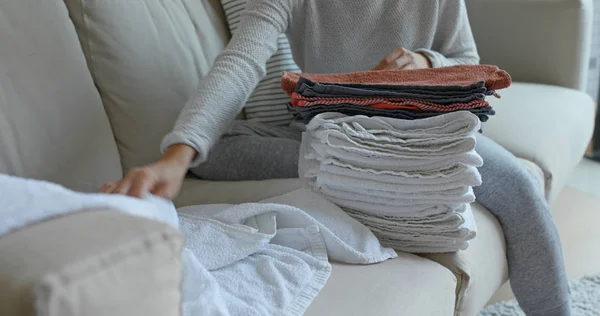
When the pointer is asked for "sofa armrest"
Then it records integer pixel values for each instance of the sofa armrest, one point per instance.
(548, 125)
(536, 41)
(96, 262)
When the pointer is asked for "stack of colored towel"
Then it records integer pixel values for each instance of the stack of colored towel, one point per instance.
(409, 179)
(402, 94)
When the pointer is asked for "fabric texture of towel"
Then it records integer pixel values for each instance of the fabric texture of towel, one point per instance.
(462, 75)
(305, 114)
(392, 103)
(261, 258)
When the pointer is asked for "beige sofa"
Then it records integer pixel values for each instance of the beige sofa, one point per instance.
(89, 87)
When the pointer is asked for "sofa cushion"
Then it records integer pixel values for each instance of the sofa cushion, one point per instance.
(52, 123)
(146, 58)
(195, 191)
(407, 285)
(268, 102)
(102, 262)
(548, 125)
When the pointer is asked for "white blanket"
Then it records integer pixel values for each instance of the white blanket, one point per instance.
(261, 259)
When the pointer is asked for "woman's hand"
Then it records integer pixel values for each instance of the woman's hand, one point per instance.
(403, 59)
(163, 178)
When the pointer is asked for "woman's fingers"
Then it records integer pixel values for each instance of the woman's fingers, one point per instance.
(141, 185)
(401, 62)
(107, 187)
(123, 186)
(162, 191)
(395, 54)
(390, 59)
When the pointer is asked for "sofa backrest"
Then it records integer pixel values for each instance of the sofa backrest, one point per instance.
(146, 58)
(52, 122)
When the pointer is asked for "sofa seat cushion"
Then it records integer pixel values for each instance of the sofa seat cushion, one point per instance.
(52, 123)
(407, 285)
(96, 262)
(195, 191)
(548, 125)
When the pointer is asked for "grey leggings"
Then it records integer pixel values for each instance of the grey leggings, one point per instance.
(536, 268)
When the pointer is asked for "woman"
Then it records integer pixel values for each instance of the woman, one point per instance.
(343, 36)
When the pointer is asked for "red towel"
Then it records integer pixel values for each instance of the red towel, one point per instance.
(387, 103)
(464, 75)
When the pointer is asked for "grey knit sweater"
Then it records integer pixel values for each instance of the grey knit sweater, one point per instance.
(326, 36)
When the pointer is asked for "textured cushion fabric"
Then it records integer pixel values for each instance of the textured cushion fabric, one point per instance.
(146, 58)
(407, 285)
(52, 123)
(98, 262)
(268, 102)
(548, 125)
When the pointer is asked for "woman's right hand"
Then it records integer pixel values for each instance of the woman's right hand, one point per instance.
(163, 178)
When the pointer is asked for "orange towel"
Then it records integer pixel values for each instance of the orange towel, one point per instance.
(464, 75)
(386, 103)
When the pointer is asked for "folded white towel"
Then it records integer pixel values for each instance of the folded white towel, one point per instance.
(359, 185)
(399, 200)
(425, 241)
(458, 173)
(391, 210)
(376, 161)
(426, 247)
(455, 124)
(359, 133)
(340, 140)
(442, 222)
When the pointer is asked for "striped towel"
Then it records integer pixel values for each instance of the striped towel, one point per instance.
(268, 102)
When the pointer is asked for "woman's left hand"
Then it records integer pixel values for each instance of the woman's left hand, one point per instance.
(403, 59)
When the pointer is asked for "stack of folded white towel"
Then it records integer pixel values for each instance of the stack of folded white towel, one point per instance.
(409, 181)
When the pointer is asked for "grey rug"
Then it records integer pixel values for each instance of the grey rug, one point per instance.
(585, 300)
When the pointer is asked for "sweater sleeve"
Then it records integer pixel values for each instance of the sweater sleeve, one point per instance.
(453, 43)
(235, 73)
